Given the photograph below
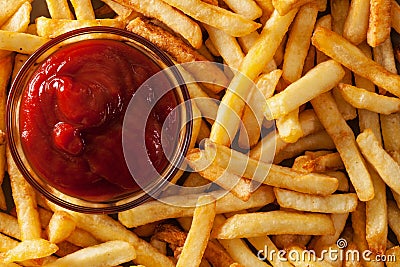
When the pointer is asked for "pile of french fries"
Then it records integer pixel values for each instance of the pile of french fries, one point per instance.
(325, 75)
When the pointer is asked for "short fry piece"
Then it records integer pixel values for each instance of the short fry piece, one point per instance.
(8, 8)
(379, 22)
(61, 226)
(364, 99)
(337, 203)
(30, 249)
(247, 8)
(59, 9)
(199, 233)
(83, 9)
(110, 253)
(274, 222)
(343, 137)
(289, 127)
(354, 59)
(383, 163)
(280, 105)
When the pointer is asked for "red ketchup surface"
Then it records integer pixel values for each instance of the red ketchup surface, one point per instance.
(72, 114)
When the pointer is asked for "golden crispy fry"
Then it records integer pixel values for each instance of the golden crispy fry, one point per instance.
(237, 185)
(354, 59)
(270, 174)
(289, 127)
(356, 25)
(122, 11)
(30, 249)
(110, 253)
(9, 225)
(379, 24)
(25, 202)
(215, 16)
(226, 45)
(7, 243)
(65, 248)
(339, 10)
(280, 105)
(366, 118)
(382, 162)
(155, 211)
(267, 9)
(343, 137)
(317, 141)
(324, 163)
(298, 42)
(233, 102)
(364, 99)
(273, 222)
(253, 114)
(180, 52)
(19, 21)
(83, 9)
(61, 226)
(20, 42)
(376, 216)
(104, 228)
(395, 13)
(394, 217)
(284, 6)
(174, 19)
(199, 233)
(59, 9)
(247, 8)
(390, 125)
(348, 111)
(8, 8)
(337, 203)
(264, 244)
(51, 28)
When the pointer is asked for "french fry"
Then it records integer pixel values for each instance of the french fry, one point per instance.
(61, 226)
(345, 142)
(354, 59)
(280, 105)
(366, 118)
(7, 243)
(9, 225)
(59, 9)
(324, 163)
(304, 258)
(376, 216)
(298, 42)
(233, 102)
(104, 228)
(25, 202)
(317, 141)
(395, 13)
(270, 174)
(122, 11)
(289, 126)
(339, 11)
(109, 253)
(83, 9)
(265, 245)
(238, 249)
(174, 19)
(356, 25)
(19, 21)
(199, 233)
(226, 45)
(8, 8)
(390, 124)
(154, 210)
(364, 99)
(253, 113)
(393, 213)
(267, 9)
(20, 42)
(238, 186)
(382, 162)
(30, 249)
(285, 6)
(337, 203)
(272, 223)
(392, 255)
(379, 24)
(181, 53)
(247, 8)
(215, 16)
(50, 28)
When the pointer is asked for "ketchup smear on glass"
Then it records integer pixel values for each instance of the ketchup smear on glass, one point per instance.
(72, 114)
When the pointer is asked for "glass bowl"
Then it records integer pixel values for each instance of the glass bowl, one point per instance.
(49, 188)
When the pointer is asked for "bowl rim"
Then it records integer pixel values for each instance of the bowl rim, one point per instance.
(111, 206)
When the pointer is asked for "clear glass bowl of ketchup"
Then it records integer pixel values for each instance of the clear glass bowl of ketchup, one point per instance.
(88, 130)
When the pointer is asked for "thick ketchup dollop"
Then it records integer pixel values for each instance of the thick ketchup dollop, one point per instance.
(72, 113)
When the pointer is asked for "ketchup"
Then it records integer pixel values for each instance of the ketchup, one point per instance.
(72, 114)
